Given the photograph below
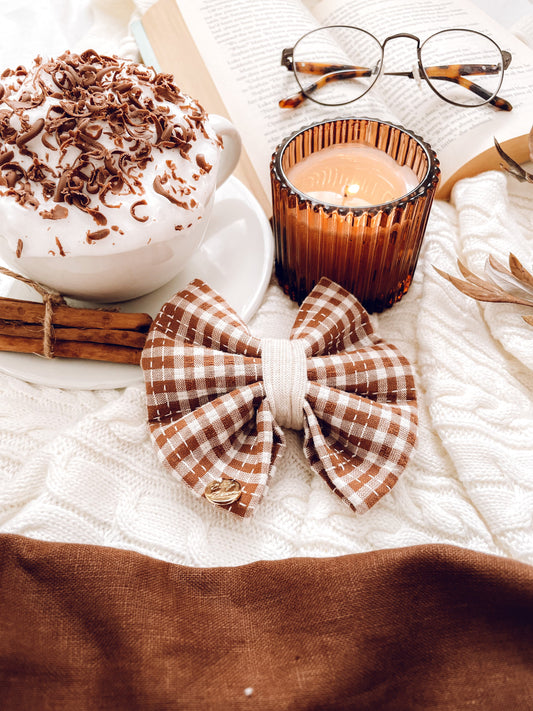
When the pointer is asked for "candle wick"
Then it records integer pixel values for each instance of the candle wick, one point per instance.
(350, 190)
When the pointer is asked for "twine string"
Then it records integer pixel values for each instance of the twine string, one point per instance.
(50, 299)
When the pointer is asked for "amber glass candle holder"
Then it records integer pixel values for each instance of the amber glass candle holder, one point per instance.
(371, 251)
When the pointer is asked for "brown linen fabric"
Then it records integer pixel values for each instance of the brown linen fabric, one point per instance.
(210, 416)
(427, 627)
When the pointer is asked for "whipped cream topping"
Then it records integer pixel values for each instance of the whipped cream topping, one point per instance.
(99, 155)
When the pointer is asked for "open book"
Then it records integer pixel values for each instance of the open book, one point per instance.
(227, 55)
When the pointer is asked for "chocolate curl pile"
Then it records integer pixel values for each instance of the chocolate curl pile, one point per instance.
(90, 96)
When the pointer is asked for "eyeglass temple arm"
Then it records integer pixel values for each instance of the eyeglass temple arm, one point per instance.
(454, 73)
(295, 100)
(326, 72)
(457, 73)
(337, 72)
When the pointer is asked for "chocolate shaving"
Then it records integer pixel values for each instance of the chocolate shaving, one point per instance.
(14, 173)
(94, 212)
(23, 194)
(33, 131)
(8, 133)
(58, 212)
(37, 172)
(123, 86)
(103, 196)
(161, 190)
(60, 246)
(99, 234)
(110, 166)
(202, 163)
(100, 75)
(61, 185)
(6, 156)
(132, 211)
(20, 245)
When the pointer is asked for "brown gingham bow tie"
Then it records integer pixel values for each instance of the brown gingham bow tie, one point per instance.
(217, 396)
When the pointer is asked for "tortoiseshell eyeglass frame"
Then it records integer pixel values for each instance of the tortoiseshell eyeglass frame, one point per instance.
(456, 73)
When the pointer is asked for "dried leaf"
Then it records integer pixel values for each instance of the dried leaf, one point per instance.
(517, 278)
(471, 276)
(480, 289)
(519, 271)
(512, 167)
(505, 279)
(498, 266)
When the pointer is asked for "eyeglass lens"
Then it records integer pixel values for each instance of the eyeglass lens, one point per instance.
(339, 64)
(463, 67)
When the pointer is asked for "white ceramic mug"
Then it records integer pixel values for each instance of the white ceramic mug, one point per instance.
(232, 146)
(129, 274)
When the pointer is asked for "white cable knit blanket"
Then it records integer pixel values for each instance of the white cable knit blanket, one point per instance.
(79, 466)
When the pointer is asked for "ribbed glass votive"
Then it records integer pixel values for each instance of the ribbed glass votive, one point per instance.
(371, 251)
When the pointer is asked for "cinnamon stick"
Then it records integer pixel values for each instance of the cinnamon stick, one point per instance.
(73, 349)
(132, 339)
(33, 312)
(90, 334)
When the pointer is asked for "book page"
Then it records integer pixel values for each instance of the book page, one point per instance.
(458, 134)
(523, 29)
(241, 43)
(231, 51)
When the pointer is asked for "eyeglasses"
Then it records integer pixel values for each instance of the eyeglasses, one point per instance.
(323, 52)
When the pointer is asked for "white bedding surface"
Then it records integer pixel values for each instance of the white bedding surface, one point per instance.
(79, 466)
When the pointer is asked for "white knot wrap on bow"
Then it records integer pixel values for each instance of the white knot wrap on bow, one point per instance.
(285, 378)
(217, 395)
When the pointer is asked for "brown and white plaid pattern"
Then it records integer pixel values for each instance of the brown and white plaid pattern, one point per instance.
(210, 419)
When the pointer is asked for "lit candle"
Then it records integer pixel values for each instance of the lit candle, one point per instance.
(367, 237)
(352, 175)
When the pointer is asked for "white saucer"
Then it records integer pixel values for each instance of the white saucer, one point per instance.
(235, 259)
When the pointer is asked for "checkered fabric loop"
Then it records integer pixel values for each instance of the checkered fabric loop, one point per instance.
(210, 411)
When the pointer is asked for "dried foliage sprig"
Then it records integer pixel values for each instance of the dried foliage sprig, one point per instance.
(502, 285)
(516, 278)
(512, 167)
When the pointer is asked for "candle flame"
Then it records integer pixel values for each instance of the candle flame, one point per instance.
(351, 190)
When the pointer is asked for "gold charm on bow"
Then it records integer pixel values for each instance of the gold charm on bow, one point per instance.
(218, 397)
